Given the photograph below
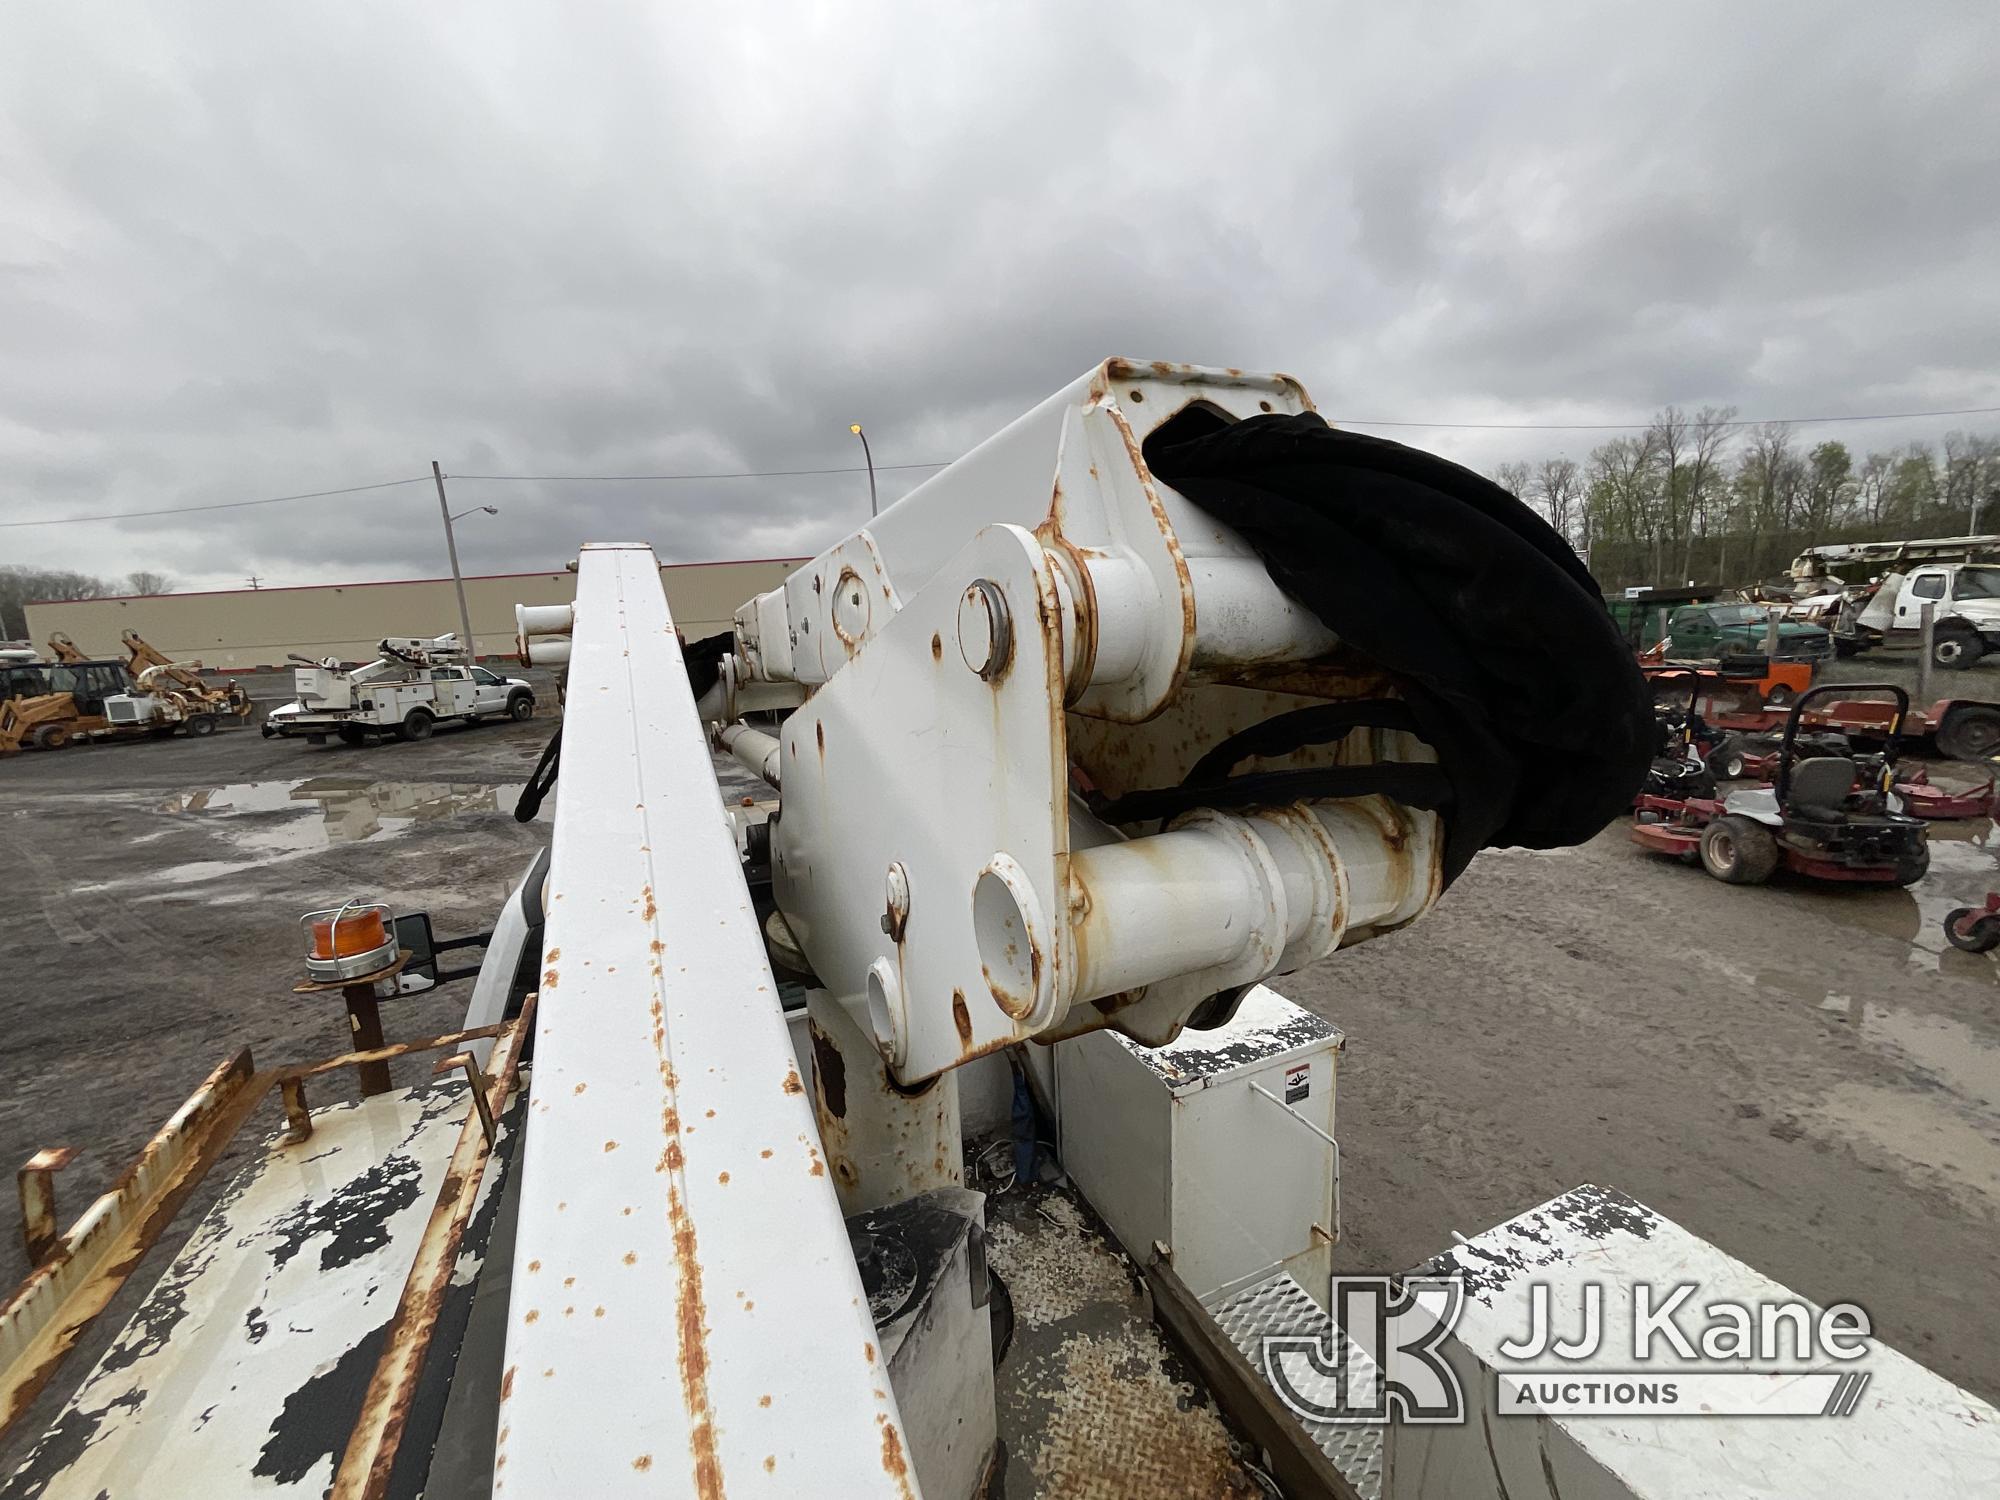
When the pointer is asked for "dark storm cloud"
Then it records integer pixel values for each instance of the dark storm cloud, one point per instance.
(250, 250)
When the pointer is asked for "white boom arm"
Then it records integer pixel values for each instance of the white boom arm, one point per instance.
(1044, 615)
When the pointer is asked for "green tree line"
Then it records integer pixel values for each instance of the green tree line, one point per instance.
(1699, 497)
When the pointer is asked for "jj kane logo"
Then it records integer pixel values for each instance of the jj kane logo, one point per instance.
(1394, 1353)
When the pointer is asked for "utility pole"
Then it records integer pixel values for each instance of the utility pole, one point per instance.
(252, 581)
(457, 579)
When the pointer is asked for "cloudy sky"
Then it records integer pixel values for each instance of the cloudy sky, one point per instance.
(251, 249)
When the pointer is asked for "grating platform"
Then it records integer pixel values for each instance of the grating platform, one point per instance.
(1280, 1305)
(1092, 1402)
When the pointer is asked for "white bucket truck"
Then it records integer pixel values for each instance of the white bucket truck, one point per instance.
(405, 691)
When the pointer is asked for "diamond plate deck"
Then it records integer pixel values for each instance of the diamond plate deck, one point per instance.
(1281, 1306)
(1093, 1403)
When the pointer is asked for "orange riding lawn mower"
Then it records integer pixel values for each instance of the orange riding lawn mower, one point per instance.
(1826, 814)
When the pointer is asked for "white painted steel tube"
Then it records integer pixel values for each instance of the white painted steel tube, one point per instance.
(759, 753)
(1172, 903)
(544, 651)
(542, 634)
(1251, 895)
(1243, 618)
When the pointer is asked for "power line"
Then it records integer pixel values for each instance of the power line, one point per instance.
(737, 474)
(357, 489)
(1873, 416)
(181, 510)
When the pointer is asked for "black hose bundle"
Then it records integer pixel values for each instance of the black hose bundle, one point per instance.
(1504, 651)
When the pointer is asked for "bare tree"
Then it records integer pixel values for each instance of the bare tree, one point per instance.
(1513, 478)
(1705, 491)
(20, 587)
(1763, 476)
(1620, 502)
(1558, 489)
(1871, 486)
(1670, 438)
(144, 582)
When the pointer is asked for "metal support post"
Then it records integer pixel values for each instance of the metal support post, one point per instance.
(1927, 637)
(883, 1143)
(364, 1020)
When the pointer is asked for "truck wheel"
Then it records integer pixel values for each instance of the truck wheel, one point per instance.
(520, 708)
(417, 726)
(1738, 851)
(51, 736)
(1914, 866)
(1980, 932)
(1956, 649)
(1970, 732)
(352, 734)
(200, 724)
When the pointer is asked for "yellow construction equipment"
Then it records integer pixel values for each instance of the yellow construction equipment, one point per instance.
(76, 697)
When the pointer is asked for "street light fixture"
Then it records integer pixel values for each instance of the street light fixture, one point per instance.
(491, 510)
(855, 428)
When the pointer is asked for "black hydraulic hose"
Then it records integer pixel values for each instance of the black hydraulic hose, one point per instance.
(1495, 633)
(1322, 724)
(1414, 784)
(541, 781)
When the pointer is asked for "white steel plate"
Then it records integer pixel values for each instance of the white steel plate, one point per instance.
(243, 1370)
(687, 1318)
(1912, 1433)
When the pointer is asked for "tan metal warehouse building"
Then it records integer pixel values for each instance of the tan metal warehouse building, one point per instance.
(238, 629)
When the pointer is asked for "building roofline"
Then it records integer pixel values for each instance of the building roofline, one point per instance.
(367, 583)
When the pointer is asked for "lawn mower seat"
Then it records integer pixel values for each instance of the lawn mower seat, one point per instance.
(1824, 783)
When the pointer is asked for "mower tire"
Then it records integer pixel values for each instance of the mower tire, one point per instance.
(1725, 761)
(1915, 866)
(1738, 851)
(1980, 934)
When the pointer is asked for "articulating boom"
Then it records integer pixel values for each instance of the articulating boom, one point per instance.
(1076, 746)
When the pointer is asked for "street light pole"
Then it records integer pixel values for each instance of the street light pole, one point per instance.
(855, 428)
(457, 579)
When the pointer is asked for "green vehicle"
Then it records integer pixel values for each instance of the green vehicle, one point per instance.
(1733, 632)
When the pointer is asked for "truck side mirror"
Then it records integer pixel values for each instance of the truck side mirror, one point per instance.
(413, 931)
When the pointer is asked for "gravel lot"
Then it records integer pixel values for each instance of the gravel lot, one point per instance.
(1806, 1075)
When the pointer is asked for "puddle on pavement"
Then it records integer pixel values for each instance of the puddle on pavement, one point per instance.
(332, 810)
(1965, 865)
(1938, 1125)
(314, 813)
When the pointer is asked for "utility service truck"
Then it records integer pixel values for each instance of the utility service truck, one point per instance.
(880, 1148)
(412, 684)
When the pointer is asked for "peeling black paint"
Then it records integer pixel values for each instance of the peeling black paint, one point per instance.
(62, 1445)
(1500, 1257)
(1597, 1213)
(355, 1221)
(256, 1325)
(1186, 1064)
(318, 1417)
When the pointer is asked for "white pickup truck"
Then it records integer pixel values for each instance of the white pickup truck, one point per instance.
(1966, 618)
(411, 685)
